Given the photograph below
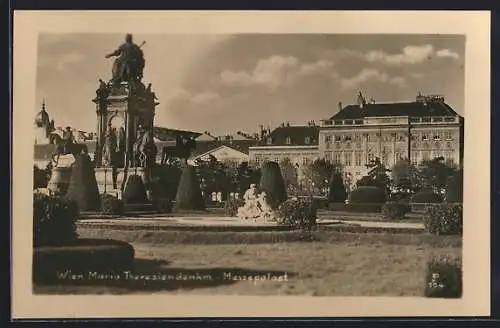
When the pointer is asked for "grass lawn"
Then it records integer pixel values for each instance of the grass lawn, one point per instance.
(342, 265)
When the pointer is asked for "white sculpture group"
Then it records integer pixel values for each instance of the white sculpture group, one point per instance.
(256, 206)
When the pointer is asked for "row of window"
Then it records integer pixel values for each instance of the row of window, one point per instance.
(389, 137)
(304, 159)
(346, 158)
(288, 140)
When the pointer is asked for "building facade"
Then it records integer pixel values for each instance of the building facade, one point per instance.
(420, 130)
(299, 144)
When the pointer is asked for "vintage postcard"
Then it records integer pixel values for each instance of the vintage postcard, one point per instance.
(208, 164)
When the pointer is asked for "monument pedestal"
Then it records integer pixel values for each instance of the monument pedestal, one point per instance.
(110, 181)
(59, 180)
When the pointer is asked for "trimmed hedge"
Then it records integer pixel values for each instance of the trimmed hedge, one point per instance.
(444, 219)
(273, 184)
(336, 189)
(82, 259)
(163, 205)
(189, 193)
(395, 211)
(426, 196)
(299, 214)
(454, 188)
(83, 185)
(134, 191)
(356, 208)
(367, 194)
(112, 205)
(54, 220)
(443, 278)
(231, 206)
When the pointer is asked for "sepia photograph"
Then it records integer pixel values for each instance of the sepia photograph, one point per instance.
(313, 164)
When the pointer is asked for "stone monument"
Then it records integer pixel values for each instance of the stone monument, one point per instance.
(125, 110)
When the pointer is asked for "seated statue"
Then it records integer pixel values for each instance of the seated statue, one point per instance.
(250, 210)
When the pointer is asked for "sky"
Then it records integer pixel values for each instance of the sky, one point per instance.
(228, 83)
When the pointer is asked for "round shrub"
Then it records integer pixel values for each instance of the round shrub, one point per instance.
(53, 220)
(426, 196)
(272, 183)
(336, 190)
(298, 213)
(189, 195)
(134, 191)
(444, 219)
(367, 194)
(111, 205)
(395, 211)
(83, 185)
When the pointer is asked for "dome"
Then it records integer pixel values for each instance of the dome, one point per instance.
(42, 118)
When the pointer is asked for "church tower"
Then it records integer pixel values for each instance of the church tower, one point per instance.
(43, 126)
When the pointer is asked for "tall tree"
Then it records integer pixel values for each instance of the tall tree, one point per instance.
(318, 174)
(376, 177)
(405, 176)
(289, 173)
(434, 174)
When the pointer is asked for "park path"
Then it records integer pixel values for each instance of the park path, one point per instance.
(236, 222)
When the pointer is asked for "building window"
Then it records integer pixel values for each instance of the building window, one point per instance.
(338, 157)
(387, 137)
(358, 121)
(425, 137)
(447, 136)
(415, 157)
(288, 140)
(437, 136)
(448, 157)
(358, 158)
(337, 138)
(347, 158)
(347, 138)
(437, 145)
(401, 137)
(426, 155)
(328, 145)
(357, 137)
(371, 157)
(328, 138)
(339, 122)
(328, 156)
(426, 119)
(307, 140)
(269, 141)
(448, 145)
(368, 137)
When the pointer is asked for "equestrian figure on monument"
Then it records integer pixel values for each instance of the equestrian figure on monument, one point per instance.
(129, 65)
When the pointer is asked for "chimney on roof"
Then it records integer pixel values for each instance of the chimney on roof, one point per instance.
(340, 105)
(372, 101)
(288, 124)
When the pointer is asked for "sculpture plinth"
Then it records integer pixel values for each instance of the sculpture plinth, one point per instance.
(125, 119)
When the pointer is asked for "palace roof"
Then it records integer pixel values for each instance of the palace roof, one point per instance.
(412, 109)
(298, 135)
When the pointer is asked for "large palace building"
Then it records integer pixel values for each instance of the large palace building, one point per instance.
(422, 129)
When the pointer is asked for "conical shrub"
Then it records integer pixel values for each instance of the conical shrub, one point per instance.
(83, 185)
(134, 191)
(272, 183)
(188, 192)
(336, 190)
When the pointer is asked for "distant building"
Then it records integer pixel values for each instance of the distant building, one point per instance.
(298, 143)
(422, 129)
